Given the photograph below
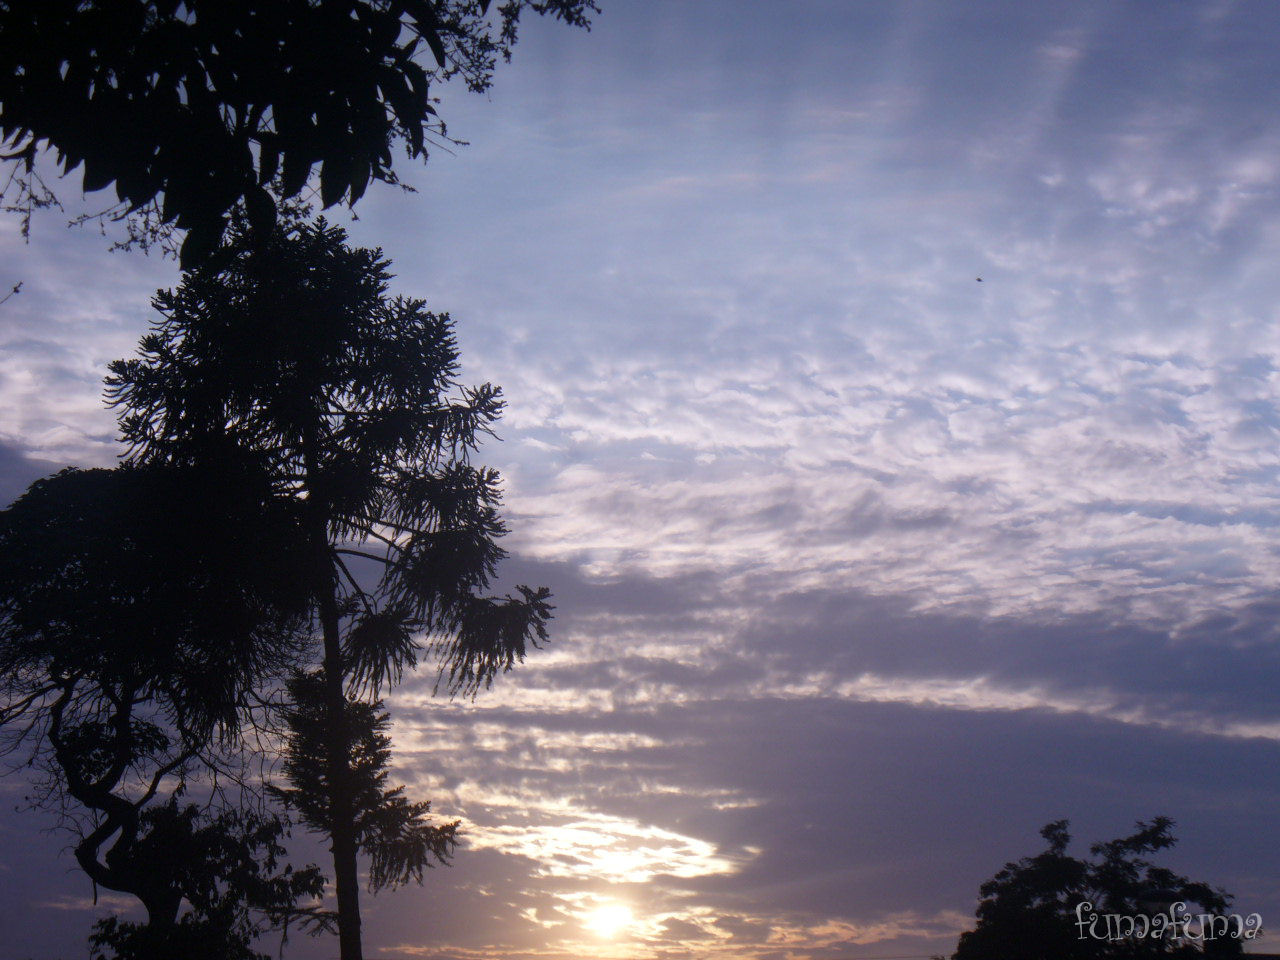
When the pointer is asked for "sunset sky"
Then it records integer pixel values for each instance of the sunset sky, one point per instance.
(864, 570)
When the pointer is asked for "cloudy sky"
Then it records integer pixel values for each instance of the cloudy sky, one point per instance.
(864, 569)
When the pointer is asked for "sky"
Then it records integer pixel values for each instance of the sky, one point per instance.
(864, 570)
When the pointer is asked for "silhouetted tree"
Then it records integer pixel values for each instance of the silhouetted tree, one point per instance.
(229, 869)
(192, 107)
(1030, 910)
(142, 610)
(394, 831)
(290, 352)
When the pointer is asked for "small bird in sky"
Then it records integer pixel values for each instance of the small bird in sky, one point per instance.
(979, 279)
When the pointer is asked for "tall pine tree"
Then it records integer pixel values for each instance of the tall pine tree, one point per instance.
(290, 353)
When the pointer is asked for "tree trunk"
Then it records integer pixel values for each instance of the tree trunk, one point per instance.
(120, 869)
(162, 906)
(346, 875)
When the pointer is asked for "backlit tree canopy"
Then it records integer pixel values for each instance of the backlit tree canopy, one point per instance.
(1032, 909)
(191, 107)
(290, 354)
(143, 610)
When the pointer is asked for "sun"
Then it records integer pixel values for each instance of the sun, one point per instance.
(609, 920)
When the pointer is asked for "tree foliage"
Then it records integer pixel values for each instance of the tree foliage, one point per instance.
(190, 107)
(229, 869)
(288, 353)
(395, 832)
(292, 355)
(166, 581)
(1028, 910)
(142, 612)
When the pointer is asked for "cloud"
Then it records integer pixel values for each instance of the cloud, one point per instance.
(79, 309)
(808, 807)
(792, 774)
(18, 471)
(101, 904)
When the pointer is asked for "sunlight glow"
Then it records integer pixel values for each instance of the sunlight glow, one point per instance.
(609, 920)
